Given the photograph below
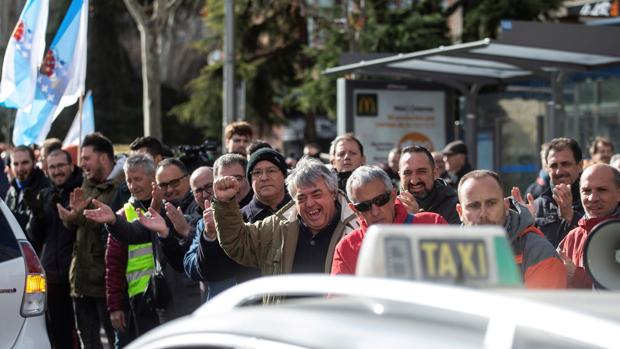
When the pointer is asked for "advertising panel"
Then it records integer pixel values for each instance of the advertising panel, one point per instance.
(393, 115)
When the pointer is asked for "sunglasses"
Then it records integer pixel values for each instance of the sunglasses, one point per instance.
(379, 200)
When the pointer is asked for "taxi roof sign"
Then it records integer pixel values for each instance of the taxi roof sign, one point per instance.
(478, 256)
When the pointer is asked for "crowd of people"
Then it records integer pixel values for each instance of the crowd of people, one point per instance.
(111, 229)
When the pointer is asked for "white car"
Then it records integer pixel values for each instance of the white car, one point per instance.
(22, 288)
(358, 312)
(402, 309)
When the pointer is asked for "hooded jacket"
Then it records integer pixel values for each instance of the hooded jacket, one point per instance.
(270, 244)
(20, 196)
(540, 265)
(442, 199)
(51, 239)
(87, 271)
(548, 219)
(348, 249)
(573, 247)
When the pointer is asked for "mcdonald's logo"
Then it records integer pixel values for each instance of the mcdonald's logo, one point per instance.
(366, 104)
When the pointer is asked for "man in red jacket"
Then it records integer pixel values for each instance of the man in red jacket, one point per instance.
(482, 203)
(373, 199)
(599, 189)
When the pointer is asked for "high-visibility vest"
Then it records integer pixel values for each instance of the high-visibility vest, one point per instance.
(140, 260)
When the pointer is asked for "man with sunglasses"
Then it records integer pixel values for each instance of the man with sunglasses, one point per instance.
(373, 199)
(300, 237)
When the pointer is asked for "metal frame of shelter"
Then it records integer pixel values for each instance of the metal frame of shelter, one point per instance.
(526, 51)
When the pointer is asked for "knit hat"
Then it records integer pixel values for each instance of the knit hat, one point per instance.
(269, 155)
(455, 147)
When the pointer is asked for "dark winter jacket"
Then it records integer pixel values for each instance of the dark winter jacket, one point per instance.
(20, 195)
(442, 199)
(50, 238)
(256, 211)
(548, 219)
(454, 179)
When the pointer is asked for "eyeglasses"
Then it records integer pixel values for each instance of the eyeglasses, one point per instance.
(207, 188)
(270, 172)
(173, 183)
(379, 200)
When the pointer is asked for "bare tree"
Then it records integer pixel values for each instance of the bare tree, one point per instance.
(152, 17)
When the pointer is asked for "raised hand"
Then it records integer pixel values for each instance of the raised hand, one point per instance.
(77, 204)
(207, 216)
(409, 201)
(178, 220)
(157, 196)
(516, 194)
(77, 200)
(155, 222)
(564, 199)
(225, 188)
(102, 213)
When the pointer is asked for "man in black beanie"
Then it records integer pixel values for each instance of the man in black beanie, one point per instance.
(266, 172)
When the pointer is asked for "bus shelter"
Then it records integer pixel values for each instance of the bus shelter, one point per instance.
(526, 50)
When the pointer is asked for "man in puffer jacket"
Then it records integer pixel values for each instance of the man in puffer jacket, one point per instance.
(482, 203)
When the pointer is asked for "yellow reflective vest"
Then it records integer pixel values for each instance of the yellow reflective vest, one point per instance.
(140, 260)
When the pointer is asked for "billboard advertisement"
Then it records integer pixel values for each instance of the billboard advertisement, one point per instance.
(388, 115)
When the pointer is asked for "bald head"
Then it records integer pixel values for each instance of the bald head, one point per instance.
(599, 189)
(201, 182)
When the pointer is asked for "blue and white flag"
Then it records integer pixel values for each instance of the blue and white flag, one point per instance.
(61, 77)
(88, 123)
(23, 55)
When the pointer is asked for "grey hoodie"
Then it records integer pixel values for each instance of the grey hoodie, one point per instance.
(517, 220)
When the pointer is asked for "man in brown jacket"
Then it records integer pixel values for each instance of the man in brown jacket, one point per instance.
(300, 237)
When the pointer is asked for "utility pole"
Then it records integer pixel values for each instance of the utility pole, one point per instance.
(229, 67)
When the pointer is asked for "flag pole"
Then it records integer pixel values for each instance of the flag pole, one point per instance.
(79, 145)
